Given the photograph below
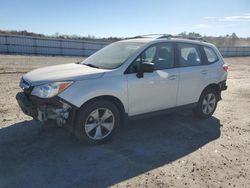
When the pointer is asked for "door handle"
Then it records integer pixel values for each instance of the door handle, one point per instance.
(204, 71)
(172, 77)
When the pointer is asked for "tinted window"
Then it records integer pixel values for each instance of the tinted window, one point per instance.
(161, 55)
(189, 55)
(211, 55)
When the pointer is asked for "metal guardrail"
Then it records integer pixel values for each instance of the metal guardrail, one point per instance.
(16, 44)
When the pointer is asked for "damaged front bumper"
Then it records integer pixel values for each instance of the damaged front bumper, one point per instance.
(47, 109)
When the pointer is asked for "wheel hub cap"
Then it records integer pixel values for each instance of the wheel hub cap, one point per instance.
(208, 103)
(99, 123)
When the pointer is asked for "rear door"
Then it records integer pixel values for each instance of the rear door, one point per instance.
(194, 75)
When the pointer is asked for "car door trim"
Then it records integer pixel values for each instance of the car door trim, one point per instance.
(161, 112)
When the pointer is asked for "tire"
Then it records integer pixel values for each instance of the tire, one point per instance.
(97, 121)
(207, 104)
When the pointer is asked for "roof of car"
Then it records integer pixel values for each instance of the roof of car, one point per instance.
(147, 39)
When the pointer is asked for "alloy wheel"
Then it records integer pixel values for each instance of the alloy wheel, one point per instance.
(99, 123)
(209, 103)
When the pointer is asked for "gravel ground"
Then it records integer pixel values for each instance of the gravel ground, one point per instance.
(175, 150)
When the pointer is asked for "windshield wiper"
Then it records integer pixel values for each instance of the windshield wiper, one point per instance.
(91, 65)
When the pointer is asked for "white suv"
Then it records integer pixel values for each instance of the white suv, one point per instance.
(127, 79)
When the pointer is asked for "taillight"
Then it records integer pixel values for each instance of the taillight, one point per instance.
(225, 67)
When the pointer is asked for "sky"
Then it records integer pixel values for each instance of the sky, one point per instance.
(126, 18)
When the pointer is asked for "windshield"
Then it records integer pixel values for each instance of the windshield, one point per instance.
(113, 55)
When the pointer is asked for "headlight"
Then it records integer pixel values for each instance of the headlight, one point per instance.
(50, 90)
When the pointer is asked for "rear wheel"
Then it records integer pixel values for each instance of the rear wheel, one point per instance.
(207, 104)
(97, 121)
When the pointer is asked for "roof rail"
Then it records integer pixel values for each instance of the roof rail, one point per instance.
(190, 38)
(150, 36)
(201, 39)
(165, 36)
(169, 36)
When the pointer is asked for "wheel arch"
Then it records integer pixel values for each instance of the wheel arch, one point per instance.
(215, 87)
(110, 98)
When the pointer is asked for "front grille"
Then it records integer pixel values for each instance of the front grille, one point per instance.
(26, 86)
(25, 82)
(28, 91)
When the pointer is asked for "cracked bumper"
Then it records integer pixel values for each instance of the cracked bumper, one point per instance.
(46, 109)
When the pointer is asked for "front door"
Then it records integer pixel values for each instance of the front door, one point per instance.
(157, 90)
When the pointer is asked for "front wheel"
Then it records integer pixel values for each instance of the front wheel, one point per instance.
(97, 121)
(207, 104)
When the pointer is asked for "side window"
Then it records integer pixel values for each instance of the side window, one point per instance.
(161, 55)
(164, 57)
(149, 54)
(189, 55)
(211, 55)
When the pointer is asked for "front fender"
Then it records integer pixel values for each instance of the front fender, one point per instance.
(82, 91)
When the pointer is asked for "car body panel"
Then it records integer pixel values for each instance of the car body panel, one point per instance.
(64, 72)
(191, 84)
(84, 90)
(155, 91)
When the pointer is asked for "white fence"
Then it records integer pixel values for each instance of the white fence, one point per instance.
(15, 44)
(235, 51)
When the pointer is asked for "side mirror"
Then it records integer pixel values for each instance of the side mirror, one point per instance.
(145, 67)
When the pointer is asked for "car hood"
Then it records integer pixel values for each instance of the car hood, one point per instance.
(64, 72)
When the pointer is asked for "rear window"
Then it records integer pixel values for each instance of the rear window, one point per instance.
(211, 55)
